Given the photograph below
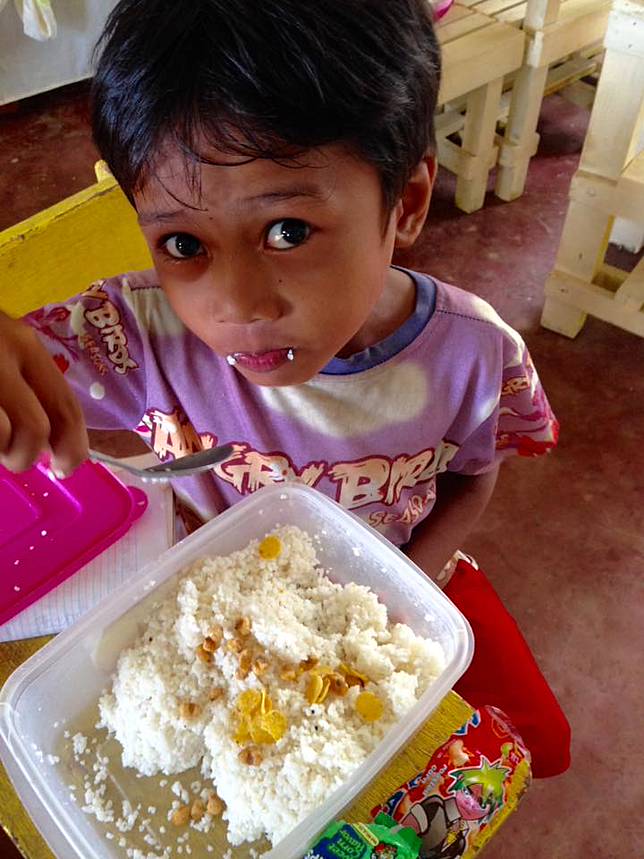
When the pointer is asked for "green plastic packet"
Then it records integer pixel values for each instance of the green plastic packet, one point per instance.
(382, 839)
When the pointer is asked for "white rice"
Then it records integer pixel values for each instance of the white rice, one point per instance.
(295, 612)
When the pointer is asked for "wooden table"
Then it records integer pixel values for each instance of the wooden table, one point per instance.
(450, 715)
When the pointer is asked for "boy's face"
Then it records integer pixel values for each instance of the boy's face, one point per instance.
(279, 266)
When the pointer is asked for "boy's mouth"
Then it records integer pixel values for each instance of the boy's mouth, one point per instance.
(261, 362)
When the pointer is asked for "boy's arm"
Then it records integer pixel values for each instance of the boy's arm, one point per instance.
(461, 499)
(504, 412)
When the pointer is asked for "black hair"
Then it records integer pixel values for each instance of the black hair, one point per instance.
(266, 79)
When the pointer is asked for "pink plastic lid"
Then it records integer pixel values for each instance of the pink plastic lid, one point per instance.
(50, 528)
(441, 8)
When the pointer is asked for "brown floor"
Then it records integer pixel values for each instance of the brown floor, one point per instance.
(562, 539)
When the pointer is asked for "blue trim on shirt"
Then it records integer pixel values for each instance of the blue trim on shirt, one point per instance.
(396, 342)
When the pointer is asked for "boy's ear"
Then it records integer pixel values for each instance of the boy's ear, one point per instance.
(411, 210)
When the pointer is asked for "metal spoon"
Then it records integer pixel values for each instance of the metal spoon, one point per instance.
(185, 466)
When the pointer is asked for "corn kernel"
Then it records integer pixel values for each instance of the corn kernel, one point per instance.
(181, 816)
(242, 627)
(198, 810)
(369, 706)
(189, 710)
(270, 548)
(203, 655)
(215, 805)
(251, 756)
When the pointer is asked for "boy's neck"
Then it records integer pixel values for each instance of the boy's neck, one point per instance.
(395, 305)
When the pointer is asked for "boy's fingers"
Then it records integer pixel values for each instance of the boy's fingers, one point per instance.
(38, 411)
(5, 432)
(68, 435)
(28, 426)
(69, 449)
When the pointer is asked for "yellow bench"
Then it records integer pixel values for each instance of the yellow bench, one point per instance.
(61, 250)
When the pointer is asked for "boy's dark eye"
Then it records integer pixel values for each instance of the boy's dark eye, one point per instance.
(183, 246)
(286, 234)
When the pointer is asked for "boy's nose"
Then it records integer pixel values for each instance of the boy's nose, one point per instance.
(244, 293)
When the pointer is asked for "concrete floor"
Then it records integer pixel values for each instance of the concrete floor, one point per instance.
(562, 540)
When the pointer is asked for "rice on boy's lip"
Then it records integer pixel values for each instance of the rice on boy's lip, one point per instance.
(262, 362)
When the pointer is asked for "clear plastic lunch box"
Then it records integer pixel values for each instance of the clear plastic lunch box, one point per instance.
(60, 683)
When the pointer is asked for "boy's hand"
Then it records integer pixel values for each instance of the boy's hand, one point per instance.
(38, 411)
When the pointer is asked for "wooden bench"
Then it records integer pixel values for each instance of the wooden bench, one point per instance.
(557, 34)
(478, 52)
(608, 184)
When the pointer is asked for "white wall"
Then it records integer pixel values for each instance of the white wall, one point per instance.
(630, 234)
(28, 67)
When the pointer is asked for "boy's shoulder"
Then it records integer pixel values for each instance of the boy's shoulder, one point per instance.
(126, 290)
(468, 316)
(455, 302)
(138, 300)
(142, 285)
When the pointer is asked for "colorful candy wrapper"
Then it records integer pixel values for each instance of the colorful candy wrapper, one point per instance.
(455, 803)
(382, 839)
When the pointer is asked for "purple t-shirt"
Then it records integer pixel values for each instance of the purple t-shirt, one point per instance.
(454, 389)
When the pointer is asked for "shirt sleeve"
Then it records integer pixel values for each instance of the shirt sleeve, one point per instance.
(520, 419)
(97, 343)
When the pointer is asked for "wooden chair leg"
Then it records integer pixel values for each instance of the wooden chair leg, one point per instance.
(584, 240)
(617, 120)
(562, 318)
(581, 252)
(478, 143)
(520, 139)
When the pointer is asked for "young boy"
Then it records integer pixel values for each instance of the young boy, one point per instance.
(277, 153)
